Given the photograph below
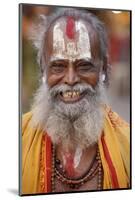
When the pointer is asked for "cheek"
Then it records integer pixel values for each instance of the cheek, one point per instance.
(91, 79)
(53, 79)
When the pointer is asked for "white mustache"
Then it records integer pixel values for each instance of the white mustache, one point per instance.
(78, 87)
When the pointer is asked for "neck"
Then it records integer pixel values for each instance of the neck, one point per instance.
(74, 159)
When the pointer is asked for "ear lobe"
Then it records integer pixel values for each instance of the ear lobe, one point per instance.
(103, 77)
(43, 79)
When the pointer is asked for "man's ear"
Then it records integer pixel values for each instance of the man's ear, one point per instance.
(43, 79)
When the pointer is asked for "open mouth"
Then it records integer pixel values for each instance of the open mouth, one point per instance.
(71, 96)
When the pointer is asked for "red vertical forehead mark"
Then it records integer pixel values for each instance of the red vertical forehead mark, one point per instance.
(70, 28)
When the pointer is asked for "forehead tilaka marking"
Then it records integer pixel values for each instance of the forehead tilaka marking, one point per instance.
(71, 40)
(70, 28)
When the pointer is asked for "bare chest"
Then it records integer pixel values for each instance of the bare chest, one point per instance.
(86, 180)
(90, 185)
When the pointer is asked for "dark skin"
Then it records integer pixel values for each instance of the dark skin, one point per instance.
(77, 71)
(71, 72)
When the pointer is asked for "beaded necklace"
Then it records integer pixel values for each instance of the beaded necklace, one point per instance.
(94, 169)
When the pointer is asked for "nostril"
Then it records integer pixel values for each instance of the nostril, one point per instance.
(71, 79)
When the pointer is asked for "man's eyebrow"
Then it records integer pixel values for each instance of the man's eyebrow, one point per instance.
(84, 60)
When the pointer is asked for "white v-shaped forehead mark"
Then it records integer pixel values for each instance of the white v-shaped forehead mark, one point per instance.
(83, 44)
(72, 49)
(58, 40)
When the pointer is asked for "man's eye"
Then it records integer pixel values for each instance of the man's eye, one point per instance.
(57, 68)
(85, 67)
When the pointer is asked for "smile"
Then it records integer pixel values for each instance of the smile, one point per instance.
(71, 96)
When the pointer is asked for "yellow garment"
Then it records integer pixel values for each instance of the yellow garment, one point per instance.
(115, 136)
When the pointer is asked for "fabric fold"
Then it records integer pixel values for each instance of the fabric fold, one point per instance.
(114, 147)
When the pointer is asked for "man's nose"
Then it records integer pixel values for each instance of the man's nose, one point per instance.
(71, 77)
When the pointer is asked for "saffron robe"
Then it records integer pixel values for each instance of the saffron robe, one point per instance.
(114, 148)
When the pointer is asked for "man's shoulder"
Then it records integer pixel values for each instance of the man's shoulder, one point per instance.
(28, 125)
(115, 119)
(117, 126)
(117, 139)
(27, 115)
(26, 118)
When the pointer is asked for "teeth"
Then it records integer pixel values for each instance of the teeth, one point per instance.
(78, 93)
(74, 94)
(65, 95)
(71, 94)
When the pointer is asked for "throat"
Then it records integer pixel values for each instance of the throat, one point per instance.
(88, 175)
(74, 163)
(69, 165)
(69, 161)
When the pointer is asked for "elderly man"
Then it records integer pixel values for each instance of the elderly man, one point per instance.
(71, 140)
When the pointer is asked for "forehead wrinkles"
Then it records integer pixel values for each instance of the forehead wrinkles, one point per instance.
(64, 46)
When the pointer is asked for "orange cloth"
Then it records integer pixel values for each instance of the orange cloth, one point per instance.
(114, 147)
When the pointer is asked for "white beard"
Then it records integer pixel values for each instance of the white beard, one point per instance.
(79, 124)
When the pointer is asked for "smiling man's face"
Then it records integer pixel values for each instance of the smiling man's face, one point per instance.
(69, 104)
(73, 57)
